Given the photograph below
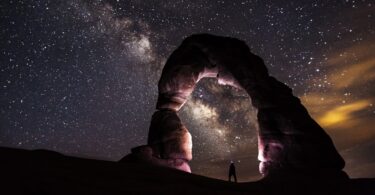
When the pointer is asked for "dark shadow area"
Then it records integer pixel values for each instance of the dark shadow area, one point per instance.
(46, 172)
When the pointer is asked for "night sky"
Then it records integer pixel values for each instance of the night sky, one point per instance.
(80, 77)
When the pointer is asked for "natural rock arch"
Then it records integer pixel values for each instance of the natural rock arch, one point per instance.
(288, 138)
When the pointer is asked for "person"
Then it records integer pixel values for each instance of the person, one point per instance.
(232, 172)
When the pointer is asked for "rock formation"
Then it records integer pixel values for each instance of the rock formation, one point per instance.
(289, 139)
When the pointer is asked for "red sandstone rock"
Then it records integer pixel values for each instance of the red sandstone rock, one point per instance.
(289, 139)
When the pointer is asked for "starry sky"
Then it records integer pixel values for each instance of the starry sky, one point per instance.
(80, 77)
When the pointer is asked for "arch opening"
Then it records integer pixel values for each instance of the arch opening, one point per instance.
(223, 128)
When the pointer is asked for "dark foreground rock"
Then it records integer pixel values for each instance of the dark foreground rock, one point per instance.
(46, 172)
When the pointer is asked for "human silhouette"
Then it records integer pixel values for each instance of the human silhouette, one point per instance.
(232, 172)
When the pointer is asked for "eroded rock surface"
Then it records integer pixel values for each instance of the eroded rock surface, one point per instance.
(289, 139)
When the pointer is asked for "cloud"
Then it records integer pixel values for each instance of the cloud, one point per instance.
(349, 71)
(352, 66)
(318, 103)
(345, 106)
(354, 74)
(342, 113)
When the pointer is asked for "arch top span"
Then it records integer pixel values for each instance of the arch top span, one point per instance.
(289, 139)
(201, 56)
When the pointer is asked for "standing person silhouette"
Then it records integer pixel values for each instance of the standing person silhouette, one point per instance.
(232, 172)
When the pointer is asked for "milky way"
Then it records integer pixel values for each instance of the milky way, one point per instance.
(80, 77)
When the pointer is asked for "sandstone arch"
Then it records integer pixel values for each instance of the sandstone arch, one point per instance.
(289, 139)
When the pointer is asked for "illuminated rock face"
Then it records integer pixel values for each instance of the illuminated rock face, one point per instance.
(289, 139)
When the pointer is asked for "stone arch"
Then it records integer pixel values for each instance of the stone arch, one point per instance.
(288, 138)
